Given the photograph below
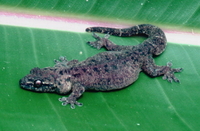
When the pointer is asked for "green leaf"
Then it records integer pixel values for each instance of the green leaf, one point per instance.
(149, 104)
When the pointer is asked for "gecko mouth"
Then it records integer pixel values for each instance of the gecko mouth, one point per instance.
(24, 85)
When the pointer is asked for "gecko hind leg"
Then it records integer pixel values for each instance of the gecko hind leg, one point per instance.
(169, 75)
(109, 45)
(100, 42)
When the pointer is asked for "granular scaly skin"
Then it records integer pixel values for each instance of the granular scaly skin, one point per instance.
(114, 69)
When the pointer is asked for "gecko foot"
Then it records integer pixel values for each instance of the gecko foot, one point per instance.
(68, 100)
(169, 75)
(99, 41)
(63, 62)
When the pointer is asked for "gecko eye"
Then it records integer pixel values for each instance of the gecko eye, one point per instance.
(37, 83)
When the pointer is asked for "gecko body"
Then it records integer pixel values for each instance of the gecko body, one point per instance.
(114, 69)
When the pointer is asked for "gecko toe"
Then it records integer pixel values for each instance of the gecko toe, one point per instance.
(176, 79)
(78, 103)
(62, 99)
(72, 106)
(64, 103)
(169, 79)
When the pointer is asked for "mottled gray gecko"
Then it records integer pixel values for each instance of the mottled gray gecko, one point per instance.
(114, 69)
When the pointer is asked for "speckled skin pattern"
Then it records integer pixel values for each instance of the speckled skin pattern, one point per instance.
(114, 69)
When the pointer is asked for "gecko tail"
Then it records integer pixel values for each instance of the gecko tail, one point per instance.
(143, 29)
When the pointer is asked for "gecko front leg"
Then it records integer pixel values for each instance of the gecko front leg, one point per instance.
(63, 62)
(77, 91)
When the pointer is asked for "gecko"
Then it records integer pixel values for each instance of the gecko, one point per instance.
(114, 69)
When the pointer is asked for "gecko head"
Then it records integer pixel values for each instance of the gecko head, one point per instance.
(39, 80)
(46, 80)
